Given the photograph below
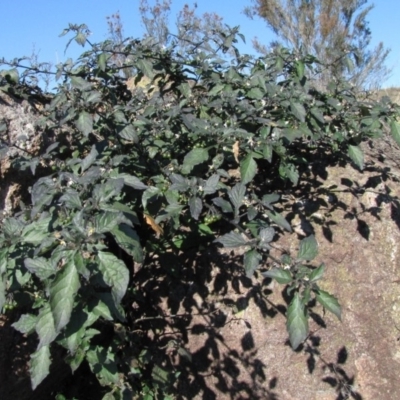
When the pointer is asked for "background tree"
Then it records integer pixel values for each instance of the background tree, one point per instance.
(335, 31)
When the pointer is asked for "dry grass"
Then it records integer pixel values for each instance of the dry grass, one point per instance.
(392, 92)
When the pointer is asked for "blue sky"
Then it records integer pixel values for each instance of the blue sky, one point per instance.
(28, 25)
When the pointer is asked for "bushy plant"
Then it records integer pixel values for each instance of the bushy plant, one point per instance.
(205, 149)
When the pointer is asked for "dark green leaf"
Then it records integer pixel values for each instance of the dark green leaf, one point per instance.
(71, 199)
(150, 193)
(128, 132)
(211, 184)
(36, 232)
(115, 274)
(255, 93)
(195, 205)
(329, 302)
(308, 249)
(269, 199)
(279, 220)
(356, 155)
(146, 67)
(80, 83)
(223, 204)
(179, 183)
(106, 221)
(298, 111)
(251, 262)
(41, 267)
(297, 322)
(132, 181)
(129, 241)
(232, 239)
(194, 157)
(236, 195)
(248, 169)
(107, 190)
(40, 365)
(62, 294)
(102, 363)
(282, 276)
(89, 159)
(317, 114)
(85, 123)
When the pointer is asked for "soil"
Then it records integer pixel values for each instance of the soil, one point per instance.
(226, 334)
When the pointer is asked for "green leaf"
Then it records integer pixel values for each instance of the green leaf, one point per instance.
(317, 273)
(356, 155)
(160, 375)
(329, 302)
(282, 276)
(266, 236)
(75, 360)
(129, 241)
(26, 323)
(267, 152)
(216, 89)
(36, 232)
(41, 267)
(255, 93)
(195, 205)
(45, 326)
(115, 274)
(289, 171)
(279, 220)
(308, 249)
(395, 131)
(269, 199)
(232, 239)
(62, 294)
(248, 169)
(298, 111)
(85, 123)
(194, 157)
(2, 293)
(75, 331)
(40, 365)
(317, 114)
(101, 362)
(297, 322)
(146, 67)
(251, 262)
(102, 61)
(300, 68)
(3, 260)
